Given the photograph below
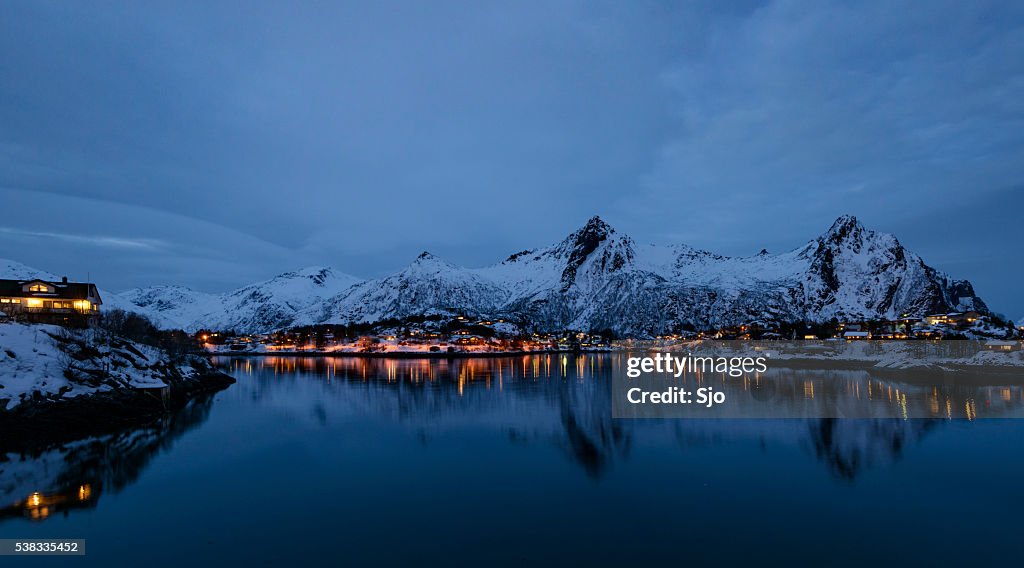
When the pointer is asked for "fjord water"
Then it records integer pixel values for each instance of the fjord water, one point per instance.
(349, 461)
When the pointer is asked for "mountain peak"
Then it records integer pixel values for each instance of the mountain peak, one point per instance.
(846, 229)
(596, 234)
(314, 269)
(430, 262)
(844, 224)
(597, 225)
(595, 231)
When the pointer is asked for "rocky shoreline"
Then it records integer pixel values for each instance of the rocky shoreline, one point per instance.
(59, 385)
(45, 422)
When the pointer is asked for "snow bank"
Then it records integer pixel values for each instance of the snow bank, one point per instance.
(50, 362)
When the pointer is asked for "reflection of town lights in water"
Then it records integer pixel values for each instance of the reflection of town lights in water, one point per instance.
(503, 374)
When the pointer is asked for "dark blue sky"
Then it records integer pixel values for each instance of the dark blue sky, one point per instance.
(215, 144)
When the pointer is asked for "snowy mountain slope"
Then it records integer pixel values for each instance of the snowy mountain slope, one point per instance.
(428, 285)
(259, 307)
(177, 305)
(277, 302)
(12, 270)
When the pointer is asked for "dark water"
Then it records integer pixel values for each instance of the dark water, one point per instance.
(514, 460)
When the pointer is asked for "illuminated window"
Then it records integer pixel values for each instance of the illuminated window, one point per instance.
(5, 300)
(33, 303)
(38, 288)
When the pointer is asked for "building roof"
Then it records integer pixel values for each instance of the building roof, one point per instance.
(63, 290)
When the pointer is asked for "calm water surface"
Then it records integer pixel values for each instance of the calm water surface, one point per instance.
(511, 460)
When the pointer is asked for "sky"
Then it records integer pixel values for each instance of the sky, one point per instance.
(213, 144)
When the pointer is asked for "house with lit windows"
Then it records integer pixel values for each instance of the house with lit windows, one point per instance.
(40, 301)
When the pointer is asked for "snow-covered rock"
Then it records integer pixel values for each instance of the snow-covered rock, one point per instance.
(50, 362)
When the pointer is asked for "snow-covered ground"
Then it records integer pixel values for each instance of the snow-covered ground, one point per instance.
(51, 362)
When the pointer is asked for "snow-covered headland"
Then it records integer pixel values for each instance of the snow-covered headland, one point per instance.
(63, 383)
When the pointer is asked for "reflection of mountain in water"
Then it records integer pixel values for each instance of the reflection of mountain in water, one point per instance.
(74, 475)
(530, 398)
(560, 399)
(591, 437)
(847, 447)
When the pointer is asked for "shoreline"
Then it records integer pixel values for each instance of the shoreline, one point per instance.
(399, 354)
(805, 363)
(43, 423)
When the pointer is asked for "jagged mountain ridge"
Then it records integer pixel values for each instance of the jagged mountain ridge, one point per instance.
(596, 278)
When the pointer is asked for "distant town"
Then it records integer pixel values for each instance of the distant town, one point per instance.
(463, 334)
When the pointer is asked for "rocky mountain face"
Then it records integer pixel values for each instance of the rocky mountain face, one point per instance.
(597, 278)
(855, 271)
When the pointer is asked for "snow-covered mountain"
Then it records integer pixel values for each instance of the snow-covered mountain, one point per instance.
(596, 278)
(263, 306)
(428, 285)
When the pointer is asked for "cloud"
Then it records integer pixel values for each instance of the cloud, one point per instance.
(92, 240)
(818, 109)
(142, 246)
